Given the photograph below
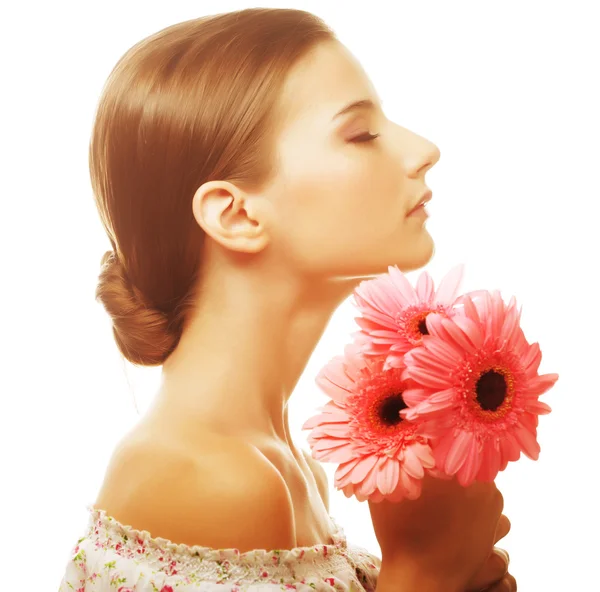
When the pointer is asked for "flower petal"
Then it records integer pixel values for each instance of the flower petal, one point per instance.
(428, 378)
(388, 475)
(419, 356)
(412, 464)
(530, 421)
(538, 407)
(346, 468)
(496, 317)
(459, 338)
(434, 424)
(369, 483)
(528, 442)
(441, 351)
(448, 288)
(424, 454)
(371, 320)
(333, 381)
(447, 395)
(490, 461)
(410, 485)
(338, 454)
(466, 474)
(511, 451)
(441, 448)
(403, 286)
(380, 295)
(397, 496)
(470, 329)
(335, 430)
(532, 359)
(339, 417)
(538, 385)
(437, 325)
(458, 452)
(413, 396)
(362, 467)
(425, 288)
(510, 328)
(470, 310)
(394, 361)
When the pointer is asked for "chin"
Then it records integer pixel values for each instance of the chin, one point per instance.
(414, 256)
(417, 259)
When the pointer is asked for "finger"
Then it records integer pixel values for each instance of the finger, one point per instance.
(502, 529)
(507, 584)
(492, 572)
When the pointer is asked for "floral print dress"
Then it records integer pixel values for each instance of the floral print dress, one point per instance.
(118, 558)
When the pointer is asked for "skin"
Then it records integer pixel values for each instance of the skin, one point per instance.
(278, 263)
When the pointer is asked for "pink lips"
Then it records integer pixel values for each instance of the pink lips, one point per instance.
(419, 211)
(419, 207)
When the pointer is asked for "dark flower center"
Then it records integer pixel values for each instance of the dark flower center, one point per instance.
(423, 327)
(390, 409)
(491, 390)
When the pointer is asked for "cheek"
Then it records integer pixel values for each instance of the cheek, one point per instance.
(374, 204)
(339, 204)
(339, 216)
(333, 202)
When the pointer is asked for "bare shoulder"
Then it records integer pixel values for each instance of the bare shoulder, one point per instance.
(228, 496)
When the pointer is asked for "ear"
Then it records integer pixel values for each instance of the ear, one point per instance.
(233, 218)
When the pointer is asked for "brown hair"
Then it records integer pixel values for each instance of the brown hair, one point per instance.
(194, 102)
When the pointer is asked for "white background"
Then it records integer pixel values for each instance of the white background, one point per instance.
(508, 91)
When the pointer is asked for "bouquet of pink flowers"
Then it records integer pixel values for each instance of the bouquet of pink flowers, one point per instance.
(431, 382)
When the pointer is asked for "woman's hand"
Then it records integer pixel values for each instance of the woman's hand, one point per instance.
(494, 576)
(506, 584)
(445, 536)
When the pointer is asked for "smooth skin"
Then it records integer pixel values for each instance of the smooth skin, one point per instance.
(277, 263)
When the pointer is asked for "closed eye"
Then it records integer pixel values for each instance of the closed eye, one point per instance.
(365, 138)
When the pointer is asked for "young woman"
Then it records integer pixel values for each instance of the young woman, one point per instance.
(248, 180)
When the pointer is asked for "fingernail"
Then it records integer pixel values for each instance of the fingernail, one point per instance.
(504, 553)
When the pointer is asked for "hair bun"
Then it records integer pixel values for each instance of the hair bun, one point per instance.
(141, 332)
(109, 258)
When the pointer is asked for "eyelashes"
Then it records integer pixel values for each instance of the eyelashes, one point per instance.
(365, 138)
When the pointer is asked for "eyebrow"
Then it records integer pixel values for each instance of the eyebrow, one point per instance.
(356, 105)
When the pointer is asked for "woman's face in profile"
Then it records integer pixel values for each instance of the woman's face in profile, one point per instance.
(341, 199)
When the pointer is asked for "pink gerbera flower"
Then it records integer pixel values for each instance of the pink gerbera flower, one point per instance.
(394, 313)
(380, 454)
(477, 389)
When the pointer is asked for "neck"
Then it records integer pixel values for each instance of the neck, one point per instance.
(243, 352)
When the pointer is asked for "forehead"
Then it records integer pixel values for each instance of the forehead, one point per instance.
(323, 82)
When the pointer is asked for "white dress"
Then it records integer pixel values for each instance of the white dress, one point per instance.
(118, 558)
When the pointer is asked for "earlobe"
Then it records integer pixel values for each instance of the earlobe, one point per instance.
(251, 243)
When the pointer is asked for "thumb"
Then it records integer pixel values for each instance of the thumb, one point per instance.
(492, 571)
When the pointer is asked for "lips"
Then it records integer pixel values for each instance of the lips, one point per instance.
(424, 199)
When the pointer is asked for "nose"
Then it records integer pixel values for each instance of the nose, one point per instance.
(427, 157)
(418, 153)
